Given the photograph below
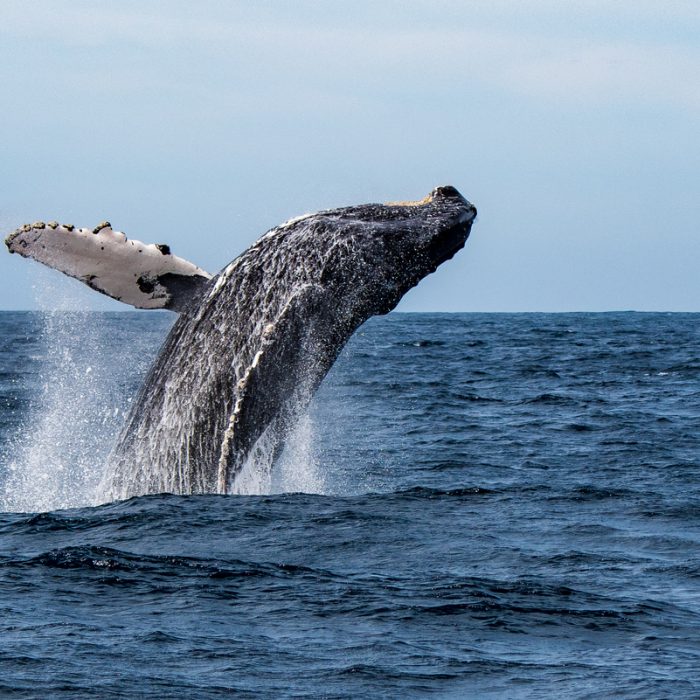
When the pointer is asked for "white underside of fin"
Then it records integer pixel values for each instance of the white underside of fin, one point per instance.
(145, 275)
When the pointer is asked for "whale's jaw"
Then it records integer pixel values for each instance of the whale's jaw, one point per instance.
(450, 239)
(449, 242)
(417, 238)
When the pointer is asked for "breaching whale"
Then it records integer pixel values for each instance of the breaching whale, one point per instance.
(252, 343)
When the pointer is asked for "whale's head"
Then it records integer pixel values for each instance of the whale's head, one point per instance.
(375, 253)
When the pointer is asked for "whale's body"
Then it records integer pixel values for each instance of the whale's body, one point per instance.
(253, 343)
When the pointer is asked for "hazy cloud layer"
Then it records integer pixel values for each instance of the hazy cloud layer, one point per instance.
(573, 128)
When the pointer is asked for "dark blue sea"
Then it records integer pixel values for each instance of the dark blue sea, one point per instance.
(477, 505)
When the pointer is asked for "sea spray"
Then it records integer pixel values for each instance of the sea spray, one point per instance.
(86, 379)
(298, 469)
(90, 366)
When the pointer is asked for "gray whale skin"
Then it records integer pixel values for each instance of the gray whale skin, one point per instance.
(252, 344)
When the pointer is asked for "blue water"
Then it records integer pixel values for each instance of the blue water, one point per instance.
(497, 506)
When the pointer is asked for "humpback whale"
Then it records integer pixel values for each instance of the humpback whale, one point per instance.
(253, 342)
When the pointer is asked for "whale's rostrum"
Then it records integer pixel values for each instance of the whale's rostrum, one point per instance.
(252, 344)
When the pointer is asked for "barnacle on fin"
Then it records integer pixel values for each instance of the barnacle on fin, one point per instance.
(100, 226)
(10, 238)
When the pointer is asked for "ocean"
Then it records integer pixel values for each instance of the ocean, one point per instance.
(476, 505)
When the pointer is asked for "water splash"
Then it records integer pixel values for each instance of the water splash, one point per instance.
(90, 367)
(56, 458)
(295, 470)
(298, 468)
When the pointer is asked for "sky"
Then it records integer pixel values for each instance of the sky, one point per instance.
(573, 127)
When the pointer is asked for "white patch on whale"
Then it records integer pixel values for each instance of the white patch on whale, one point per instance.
(130, 271)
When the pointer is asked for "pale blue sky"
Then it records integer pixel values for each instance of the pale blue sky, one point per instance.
(574, 128)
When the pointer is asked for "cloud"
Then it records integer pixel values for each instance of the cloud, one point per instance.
(251, 55)
(618, 72)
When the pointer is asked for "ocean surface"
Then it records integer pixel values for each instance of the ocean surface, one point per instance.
(477, 505)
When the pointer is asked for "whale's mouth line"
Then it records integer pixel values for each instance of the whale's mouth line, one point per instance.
(452, 239)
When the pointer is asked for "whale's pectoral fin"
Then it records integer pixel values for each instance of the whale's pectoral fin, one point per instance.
(145, 275)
